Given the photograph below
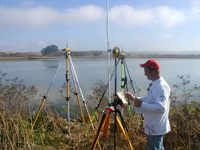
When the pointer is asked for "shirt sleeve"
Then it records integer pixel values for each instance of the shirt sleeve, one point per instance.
(142, 98)
(160, 105)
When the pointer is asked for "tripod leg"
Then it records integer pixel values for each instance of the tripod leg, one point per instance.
(100, 102)
(91, 123)
(101, 125)
(36, 117)
(67, 98)
(74, 78)
(83, 120)
(124, 132)
(105, 129)
(45, 97)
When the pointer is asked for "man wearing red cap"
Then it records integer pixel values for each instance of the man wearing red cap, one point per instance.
(155, 106)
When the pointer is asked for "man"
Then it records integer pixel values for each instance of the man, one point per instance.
(155, 106)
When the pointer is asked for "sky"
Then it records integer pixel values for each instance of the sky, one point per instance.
(134, 25)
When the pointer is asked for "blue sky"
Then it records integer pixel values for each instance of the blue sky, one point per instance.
(137, 25)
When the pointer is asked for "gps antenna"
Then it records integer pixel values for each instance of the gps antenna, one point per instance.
(109, 50)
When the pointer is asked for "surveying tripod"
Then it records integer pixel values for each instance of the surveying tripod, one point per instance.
(124, 83)
(76, 84)
(104, 126)
(118, 99)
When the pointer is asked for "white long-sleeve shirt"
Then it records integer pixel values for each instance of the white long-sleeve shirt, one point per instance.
(155, 107)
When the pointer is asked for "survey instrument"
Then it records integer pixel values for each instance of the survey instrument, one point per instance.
(122, 100)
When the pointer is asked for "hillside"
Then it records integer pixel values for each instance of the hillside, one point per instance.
(93, 54)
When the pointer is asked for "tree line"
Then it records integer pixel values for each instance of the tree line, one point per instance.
(49, 49)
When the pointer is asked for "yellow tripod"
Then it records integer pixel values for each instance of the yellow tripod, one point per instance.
(77, 88)
(104, 125)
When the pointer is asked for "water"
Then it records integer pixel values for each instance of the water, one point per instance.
(41, 72)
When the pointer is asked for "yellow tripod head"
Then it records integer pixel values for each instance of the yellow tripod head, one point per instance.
(68, 49)
(115, 52)
(122, 55)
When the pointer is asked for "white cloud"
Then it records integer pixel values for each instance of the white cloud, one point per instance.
(123, 15)
(33, 17)
(40, 17)
(169, 17)
(126, 16)
(195, 11)
(167, 36)
(83, 14)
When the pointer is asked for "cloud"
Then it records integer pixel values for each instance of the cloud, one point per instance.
(169, 17)
(127, 16)
(39, 17)
(195, 11)
(123, 15)
(32, 17)
(167, 36)
(83, 14)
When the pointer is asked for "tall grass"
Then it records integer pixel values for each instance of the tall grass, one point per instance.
(18, 106)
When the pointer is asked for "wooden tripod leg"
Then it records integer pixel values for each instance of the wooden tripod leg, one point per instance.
(124, 132)
(101, 125)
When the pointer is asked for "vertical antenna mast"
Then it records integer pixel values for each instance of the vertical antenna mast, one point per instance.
(108, 48)
(66, 43)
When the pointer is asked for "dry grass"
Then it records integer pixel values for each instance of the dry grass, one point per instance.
(18, 107)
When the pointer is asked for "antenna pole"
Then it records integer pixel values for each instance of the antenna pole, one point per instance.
(109, 50)
(66, 43)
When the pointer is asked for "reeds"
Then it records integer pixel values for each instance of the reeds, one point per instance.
(18, 106)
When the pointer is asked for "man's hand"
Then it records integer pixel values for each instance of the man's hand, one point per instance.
(129, 96)
(137, 102)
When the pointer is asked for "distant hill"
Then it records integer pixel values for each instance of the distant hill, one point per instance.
(170, 52)
(100, 54)
(20, 54)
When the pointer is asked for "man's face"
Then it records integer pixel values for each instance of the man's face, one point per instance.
(148, 74)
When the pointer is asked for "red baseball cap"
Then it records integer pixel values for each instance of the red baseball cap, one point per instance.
(152, 63)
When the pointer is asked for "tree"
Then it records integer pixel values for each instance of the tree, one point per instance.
(49, 49)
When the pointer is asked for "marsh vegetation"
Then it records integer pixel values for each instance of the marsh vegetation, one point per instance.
(19, 105)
